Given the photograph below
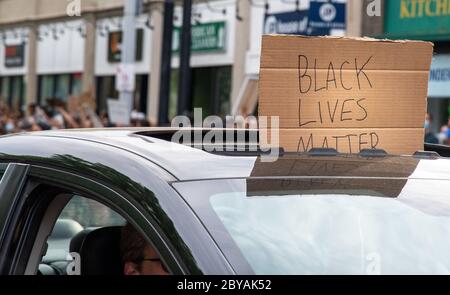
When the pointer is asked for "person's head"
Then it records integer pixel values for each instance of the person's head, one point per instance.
(428, 120)
(138, 256)
(31, 109)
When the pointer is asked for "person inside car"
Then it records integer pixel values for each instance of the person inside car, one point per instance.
(138, 256)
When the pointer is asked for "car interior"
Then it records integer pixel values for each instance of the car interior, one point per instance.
(85, 228)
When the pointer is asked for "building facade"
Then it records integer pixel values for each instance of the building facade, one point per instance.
(56, 48)
(421, 20)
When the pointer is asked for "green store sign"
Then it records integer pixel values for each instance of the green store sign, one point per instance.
(417, 19)
(206, 37)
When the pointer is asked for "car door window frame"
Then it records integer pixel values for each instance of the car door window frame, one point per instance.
(12, 186)
(69, 182)
(45, 229)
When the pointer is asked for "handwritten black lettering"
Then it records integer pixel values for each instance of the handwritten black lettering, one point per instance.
(342, 78)
(331, 70)
(361, 142)
(362, 108)
(325, 142)
(343, 112)
(300, 124)
(374, 139)
(315, 78)
(361, 71)
(350, 141)
(320, 113)
(337, 140)
(301, 75)
(334, 111)
(302, 143)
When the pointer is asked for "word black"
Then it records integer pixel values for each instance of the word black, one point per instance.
(334, 74)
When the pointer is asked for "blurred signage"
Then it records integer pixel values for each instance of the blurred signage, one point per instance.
(14, 55)
(439, 84)
(125, 78)
(115, 45)
(206, 37)
(326, 15)
(119, 112)
(414, 19)
(293, 22)
(323, 18)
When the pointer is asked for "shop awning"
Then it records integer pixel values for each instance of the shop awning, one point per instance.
(248, 97)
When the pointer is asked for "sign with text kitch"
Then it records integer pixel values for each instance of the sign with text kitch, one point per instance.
(345, 93)
(417, 19)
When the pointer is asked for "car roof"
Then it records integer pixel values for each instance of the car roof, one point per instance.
(177, 162)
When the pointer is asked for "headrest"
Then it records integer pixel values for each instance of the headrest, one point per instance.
(65, 229)
(99, 251)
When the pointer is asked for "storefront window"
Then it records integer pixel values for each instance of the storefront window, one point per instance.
(140, 95)
(173, 98)
(16, 98)
(203, 89)
(59, 86)
(223, 106)
(211, 88)
(12, 91)
(106, 88)
(4, 89)
(76, 84)
(46, 86)
(62, 86)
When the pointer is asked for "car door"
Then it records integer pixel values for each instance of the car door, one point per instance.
(37, 192)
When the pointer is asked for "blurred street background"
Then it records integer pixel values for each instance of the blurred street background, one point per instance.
(104, 63)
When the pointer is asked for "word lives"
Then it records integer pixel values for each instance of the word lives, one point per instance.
(328, 96)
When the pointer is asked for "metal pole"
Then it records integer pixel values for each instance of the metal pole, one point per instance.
(166, 58)
(184, 88)
(131, 10)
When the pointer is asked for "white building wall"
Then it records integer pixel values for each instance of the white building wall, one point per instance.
(105, 68)
(63, 54)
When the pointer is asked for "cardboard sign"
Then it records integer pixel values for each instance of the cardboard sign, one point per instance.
(125, 77)
(87, 100)
(345, 93)
(118, 111)
(73, 104)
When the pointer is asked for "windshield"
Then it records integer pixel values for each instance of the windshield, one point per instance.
(348, 231)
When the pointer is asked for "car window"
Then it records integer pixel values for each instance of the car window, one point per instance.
(317, 228)
(90, 213)
(80, 214)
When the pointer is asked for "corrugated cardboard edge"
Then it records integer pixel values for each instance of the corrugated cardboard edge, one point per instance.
(365, 38)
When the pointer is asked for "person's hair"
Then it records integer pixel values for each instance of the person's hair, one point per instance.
(132, 245)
